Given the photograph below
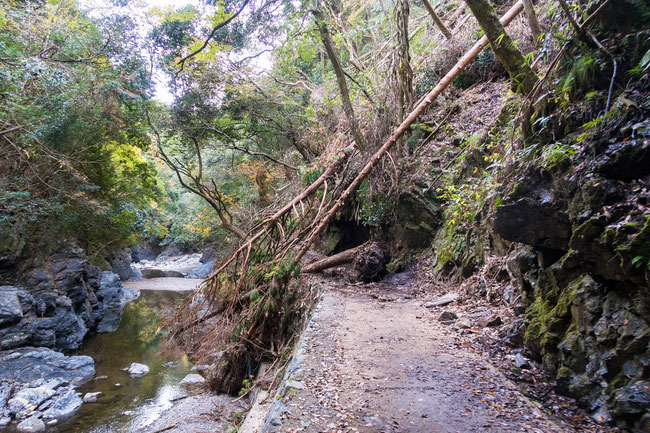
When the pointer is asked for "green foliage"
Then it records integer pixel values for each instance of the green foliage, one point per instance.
(75, 168)
(557, 158)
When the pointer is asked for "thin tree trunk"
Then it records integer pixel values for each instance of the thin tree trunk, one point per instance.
(522, 76)
(340, 79)
(436, 19)
(397, 133)
(402, 66)
(533, 22)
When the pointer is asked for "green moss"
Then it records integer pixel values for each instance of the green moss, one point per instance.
(520, 188)
(640, 244)
(563, 373)
(619, 381)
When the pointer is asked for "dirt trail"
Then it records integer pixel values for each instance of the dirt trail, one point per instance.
(379, 362)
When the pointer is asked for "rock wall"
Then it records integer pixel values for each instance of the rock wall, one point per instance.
(58, 303)
(584, 271)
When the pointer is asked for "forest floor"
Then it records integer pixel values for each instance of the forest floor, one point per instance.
(375, 358)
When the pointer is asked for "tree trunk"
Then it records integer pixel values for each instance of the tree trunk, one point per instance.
(402, 65)
(340, 79)
(341, 258)
(533, 22)
(436, 19)
(522, 76)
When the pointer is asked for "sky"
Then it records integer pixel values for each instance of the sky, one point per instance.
(139, 8)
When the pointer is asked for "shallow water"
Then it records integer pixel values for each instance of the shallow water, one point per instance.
(136, 340)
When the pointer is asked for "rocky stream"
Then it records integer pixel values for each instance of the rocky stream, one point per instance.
(80, 348)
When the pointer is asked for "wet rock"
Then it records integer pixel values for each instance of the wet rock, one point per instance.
(447, 317)
(444, 300)
(137, 370)
(626, 160)
(10, 309)
(114, 297)
(64, 406)
(91, 397)
(31, 425)
(192, 379)
(28, 364)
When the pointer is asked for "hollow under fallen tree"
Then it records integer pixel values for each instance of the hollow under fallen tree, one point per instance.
(251, 293)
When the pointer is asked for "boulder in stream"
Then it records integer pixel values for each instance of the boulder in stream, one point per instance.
(137, 370)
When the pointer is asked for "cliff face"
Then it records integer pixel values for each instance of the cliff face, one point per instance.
(585, 270)
(579, 220)
(58, 303)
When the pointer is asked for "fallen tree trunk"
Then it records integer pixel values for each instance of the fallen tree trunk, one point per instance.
(342, 258)
(419, 109)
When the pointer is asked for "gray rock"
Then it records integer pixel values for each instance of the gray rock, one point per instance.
(64, 405)
(200, 367)
(202, 271)
(521, 361)
(539, 224)
(463, 323)
(443, 300)
(121, 264)
(31, 425)
(137, 370)
(488, 322)
(27, 400)
(10, 309)
(91, 397)
(192, 379)
(447, 317)
(28, 364)
(153, 273)
(114, 297)
(4, 421)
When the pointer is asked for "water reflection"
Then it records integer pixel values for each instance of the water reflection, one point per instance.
(136, 340)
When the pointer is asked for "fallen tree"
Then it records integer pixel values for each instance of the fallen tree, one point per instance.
(258, 307)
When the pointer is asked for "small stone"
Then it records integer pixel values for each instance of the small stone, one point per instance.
(463, 323)
(447, 317)
(31, 425)
(172, 364)
(128, 413)
(518, 310)
(137, 370)
(52, 422)
(91, 397)
(117, 385)
(101, 377)
(521, 362)
(295, 384)
(493, 321)
(192, 379)
(276, 422)
(200, 367)
(489, 322)
(444, 300)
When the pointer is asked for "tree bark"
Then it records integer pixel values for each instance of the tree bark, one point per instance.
(340, 79)
(436, 19)
(533, 22)
(402, 65)
(399, 131)
(341, 258)
(522, 76)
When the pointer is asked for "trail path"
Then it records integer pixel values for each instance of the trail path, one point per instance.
(374, 360)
